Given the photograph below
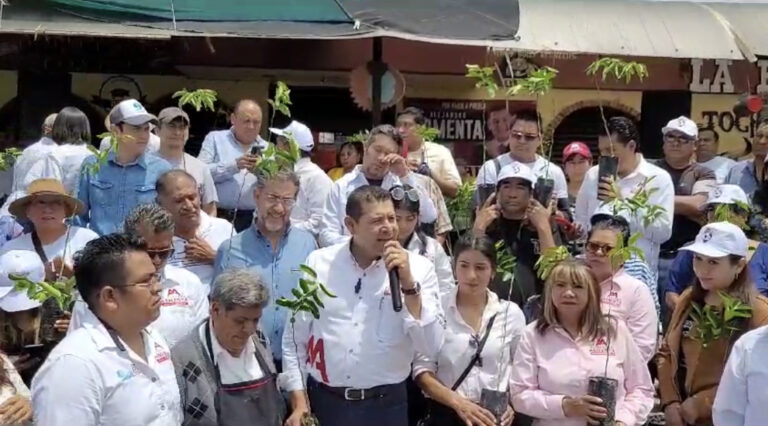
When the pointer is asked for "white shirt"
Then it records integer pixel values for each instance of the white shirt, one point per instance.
(333, 230)
(541, 169)
(28, 157)
(213, 231)
(199, 170)
(454, 356)
(314, 188)
(244, 368)
(721, 166)
(434, 252)
(741, 398)
(359, 340)
(78, 237)
(88, 379)
(439, 159)
(153, 145)
(657, 232)
(63, 163)
(184, 304)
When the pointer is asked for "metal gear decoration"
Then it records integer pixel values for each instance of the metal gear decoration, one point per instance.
(361, 87)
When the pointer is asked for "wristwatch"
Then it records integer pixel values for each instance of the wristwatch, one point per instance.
(415, 291)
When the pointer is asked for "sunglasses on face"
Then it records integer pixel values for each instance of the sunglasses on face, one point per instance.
(398, 193)
(162, 254)
(524, 137)
(595, 248)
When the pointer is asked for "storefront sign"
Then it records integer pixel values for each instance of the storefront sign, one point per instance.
(716, 111)
(720, 80)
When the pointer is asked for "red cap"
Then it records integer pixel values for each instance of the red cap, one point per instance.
(576, 148)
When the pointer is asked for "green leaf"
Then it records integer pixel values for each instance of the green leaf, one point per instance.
(309, 271)
(197, 98)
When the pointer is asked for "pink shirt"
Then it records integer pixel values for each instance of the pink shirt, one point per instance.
(551, 366)
(629, 300)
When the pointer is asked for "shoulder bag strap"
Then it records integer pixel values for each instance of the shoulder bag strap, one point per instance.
(476, 356)
(39, 247)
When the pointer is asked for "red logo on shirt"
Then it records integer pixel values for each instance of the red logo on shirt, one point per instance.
(174, 298)
(316, 356)
(600, 347)
(161, 355)
(612, 299)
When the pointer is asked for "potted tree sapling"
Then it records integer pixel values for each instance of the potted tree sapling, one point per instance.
(308, 300)
(608, 165)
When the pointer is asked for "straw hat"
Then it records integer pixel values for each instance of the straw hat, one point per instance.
(47, 187)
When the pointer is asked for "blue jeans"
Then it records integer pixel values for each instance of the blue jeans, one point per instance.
(334, 410)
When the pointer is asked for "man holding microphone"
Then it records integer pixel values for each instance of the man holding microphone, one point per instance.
(358, 354)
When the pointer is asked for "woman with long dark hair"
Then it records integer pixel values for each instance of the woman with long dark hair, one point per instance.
(481, 335)
(72, 133)
(571, 342)
(693, 355)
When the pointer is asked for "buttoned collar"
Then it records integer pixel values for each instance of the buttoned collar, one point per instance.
(248, 351)
(643, 169)
(492, 307)
(260, 235)
(260, 142)
(141, 160)
(375, 264)
(358, 178)
(103, 338)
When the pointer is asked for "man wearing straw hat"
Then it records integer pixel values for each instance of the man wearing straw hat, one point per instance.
(47, 205)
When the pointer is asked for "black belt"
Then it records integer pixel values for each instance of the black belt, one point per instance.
(354, 394)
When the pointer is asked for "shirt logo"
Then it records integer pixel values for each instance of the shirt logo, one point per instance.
(124, 375)
(174, 298)
(707, 235)
(161, 355)
(612, 299)
(600, 347)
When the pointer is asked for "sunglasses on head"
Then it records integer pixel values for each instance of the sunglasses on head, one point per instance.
(398, 193)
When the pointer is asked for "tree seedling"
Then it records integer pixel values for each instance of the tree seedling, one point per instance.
(505, 263)
(199, 99)
(484, 78)
(713, 323)
(307, 299)
(282, 100)
(61, 291)
(548, 259)
(618, 68)
(8, 158)
(427, 133)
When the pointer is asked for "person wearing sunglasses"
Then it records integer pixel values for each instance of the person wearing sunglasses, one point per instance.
(527, 228)
(622, 296)
(407, 200)
(114, 369)
(724, 202)
(184, 300)
(383, 166)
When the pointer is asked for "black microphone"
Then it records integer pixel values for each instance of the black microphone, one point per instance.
(394, 287)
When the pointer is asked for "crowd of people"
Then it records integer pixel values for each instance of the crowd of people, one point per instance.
(179, 262)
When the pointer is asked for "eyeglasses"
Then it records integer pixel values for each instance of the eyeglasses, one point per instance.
(594, 248)
(162, 254)
(525, 137)
(398, 193)
(286, 202)
(153, 280)
(679, 139)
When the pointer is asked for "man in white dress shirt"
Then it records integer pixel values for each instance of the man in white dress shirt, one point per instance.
(633, 170)
(741, 398)
(197, 236)
(524, 142)
(359, 352)
(114, 370)
(314, 185)
(184, 300)
(383, 166)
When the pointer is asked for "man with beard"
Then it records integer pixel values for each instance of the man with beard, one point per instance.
(271, 247)
(197, 236)
(359, 351)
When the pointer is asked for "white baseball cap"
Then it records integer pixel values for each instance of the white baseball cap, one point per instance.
(682, 124)
(24, 263)
(720, 239)
(516, 170)
(727, 194)
(300, 133)
(132, 112)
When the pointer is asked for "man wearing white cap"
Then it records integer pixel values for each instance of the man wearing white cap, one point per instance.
(127, 179)
(314, 184)
(692, 183)
(681, 272)
(513, 216)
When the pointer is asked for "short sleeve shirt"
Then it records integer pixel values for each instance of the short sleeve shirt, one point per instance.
(199, 170)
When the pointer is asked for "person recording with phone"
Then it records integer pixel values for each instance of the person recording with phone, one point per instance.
(526, 227)
(358, 353)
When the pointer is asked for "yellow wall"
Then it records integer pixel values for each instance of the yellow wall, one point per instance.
(717, 110)
(8, 86)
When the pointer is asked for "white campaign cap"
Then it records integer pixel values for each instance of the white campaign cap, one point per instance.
(516, 170)
(24, 263)
(682, 124)
(720, 239)
(727, 194)
(132, 112)
(300, 132)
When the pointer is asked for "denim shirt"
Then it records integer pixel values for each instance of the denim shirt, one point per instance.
(220, 152)
(743, 175)
(279, 269)
(115, 190)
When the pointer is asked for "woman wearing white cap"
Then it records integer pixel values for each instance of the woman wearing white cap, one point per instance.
(681, 272)
(692, 357)
(19, 318)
